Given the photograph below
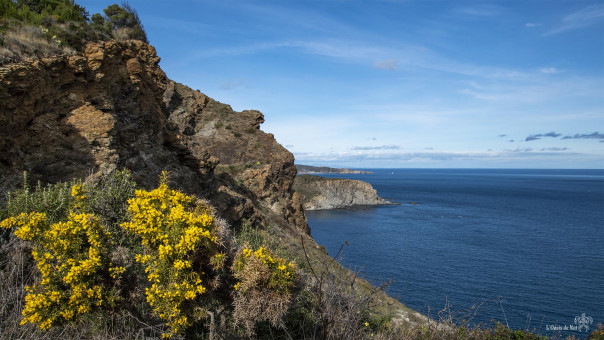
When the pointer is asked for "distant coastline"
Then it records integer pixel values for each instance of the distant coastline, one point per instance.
(320, 193)
(310, 170)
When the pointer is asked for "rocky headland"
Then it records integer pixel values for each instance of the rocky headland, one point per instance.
(320, 193)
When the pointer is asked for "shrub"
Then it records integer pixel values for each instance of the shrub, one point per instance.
(73, 259)
(181, 254)
(264, 289)
(53, 200)
(125, 22)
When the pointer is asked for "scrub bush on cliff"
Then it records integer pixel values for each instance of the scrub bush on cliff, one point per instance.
(73, 258)
(182, 255)
(124, 22)
(54, 242)
(173, 235)
(265, 288)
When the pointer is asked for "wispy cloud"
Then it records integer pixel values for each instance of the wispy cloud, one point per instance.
(372, 51)
(584, 17)
(389, 64)
(555, 149)
(520, 150)
(535, 88)
(234, 84)
(595, 135)
(429, 157)
(539, 135)
(382, 147)
(550, 70)
(481, 10)
(532, 25)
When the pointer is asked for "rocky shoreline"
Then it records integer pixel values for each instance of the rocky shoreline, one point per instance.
(320, 193)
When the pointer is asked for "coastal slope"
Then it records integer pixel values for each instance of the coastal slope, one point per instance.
(320, 193)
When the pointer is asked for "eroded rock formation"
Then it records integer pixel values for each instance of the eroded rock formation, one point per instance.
(113, 107)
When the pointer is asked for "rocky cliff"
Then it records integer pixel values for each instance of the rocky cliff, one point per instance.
(113, 107)
(320, 193)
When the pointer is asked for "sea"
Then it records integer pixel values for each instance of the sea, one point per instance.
(521, 247)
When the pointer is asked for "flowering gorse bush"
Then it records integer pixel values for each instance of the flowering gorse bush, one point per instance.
(73, 258)
(181, 253)
(280, 276)
(102, 248)
(264, 290)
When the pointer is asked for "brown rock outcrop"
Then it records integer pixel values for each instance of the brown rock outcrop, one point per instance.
(113, 107)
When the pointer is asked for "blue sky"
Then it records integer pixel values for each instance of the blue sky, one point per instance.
(504, 84)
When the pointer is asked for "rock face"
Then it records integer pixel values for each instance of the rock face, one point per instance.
(319, 193)
(113, 107)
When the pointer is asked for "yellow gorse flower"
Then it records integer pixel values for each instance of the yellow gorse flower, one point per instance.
(282, 275)
(180, 253)
(173, 229)
(73, 260)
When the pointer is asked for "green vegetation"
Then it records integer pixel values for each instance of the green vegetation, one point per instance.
(41, 28)
(84, 253)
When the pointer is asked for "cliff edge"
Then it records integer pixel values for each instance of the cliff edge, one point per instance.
(112, 107)
(319, 193)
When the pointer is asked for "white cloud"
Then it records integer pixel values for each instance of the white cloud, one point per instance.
(234, 84)
(389, 64)
(584, 17)
(536, 90)
(532, 25)
(550, 70)
(480, 10)
(510, 157)
(381, 147)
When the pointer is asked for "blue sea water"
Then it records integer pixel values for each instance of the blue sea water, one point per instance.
(526, 246)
